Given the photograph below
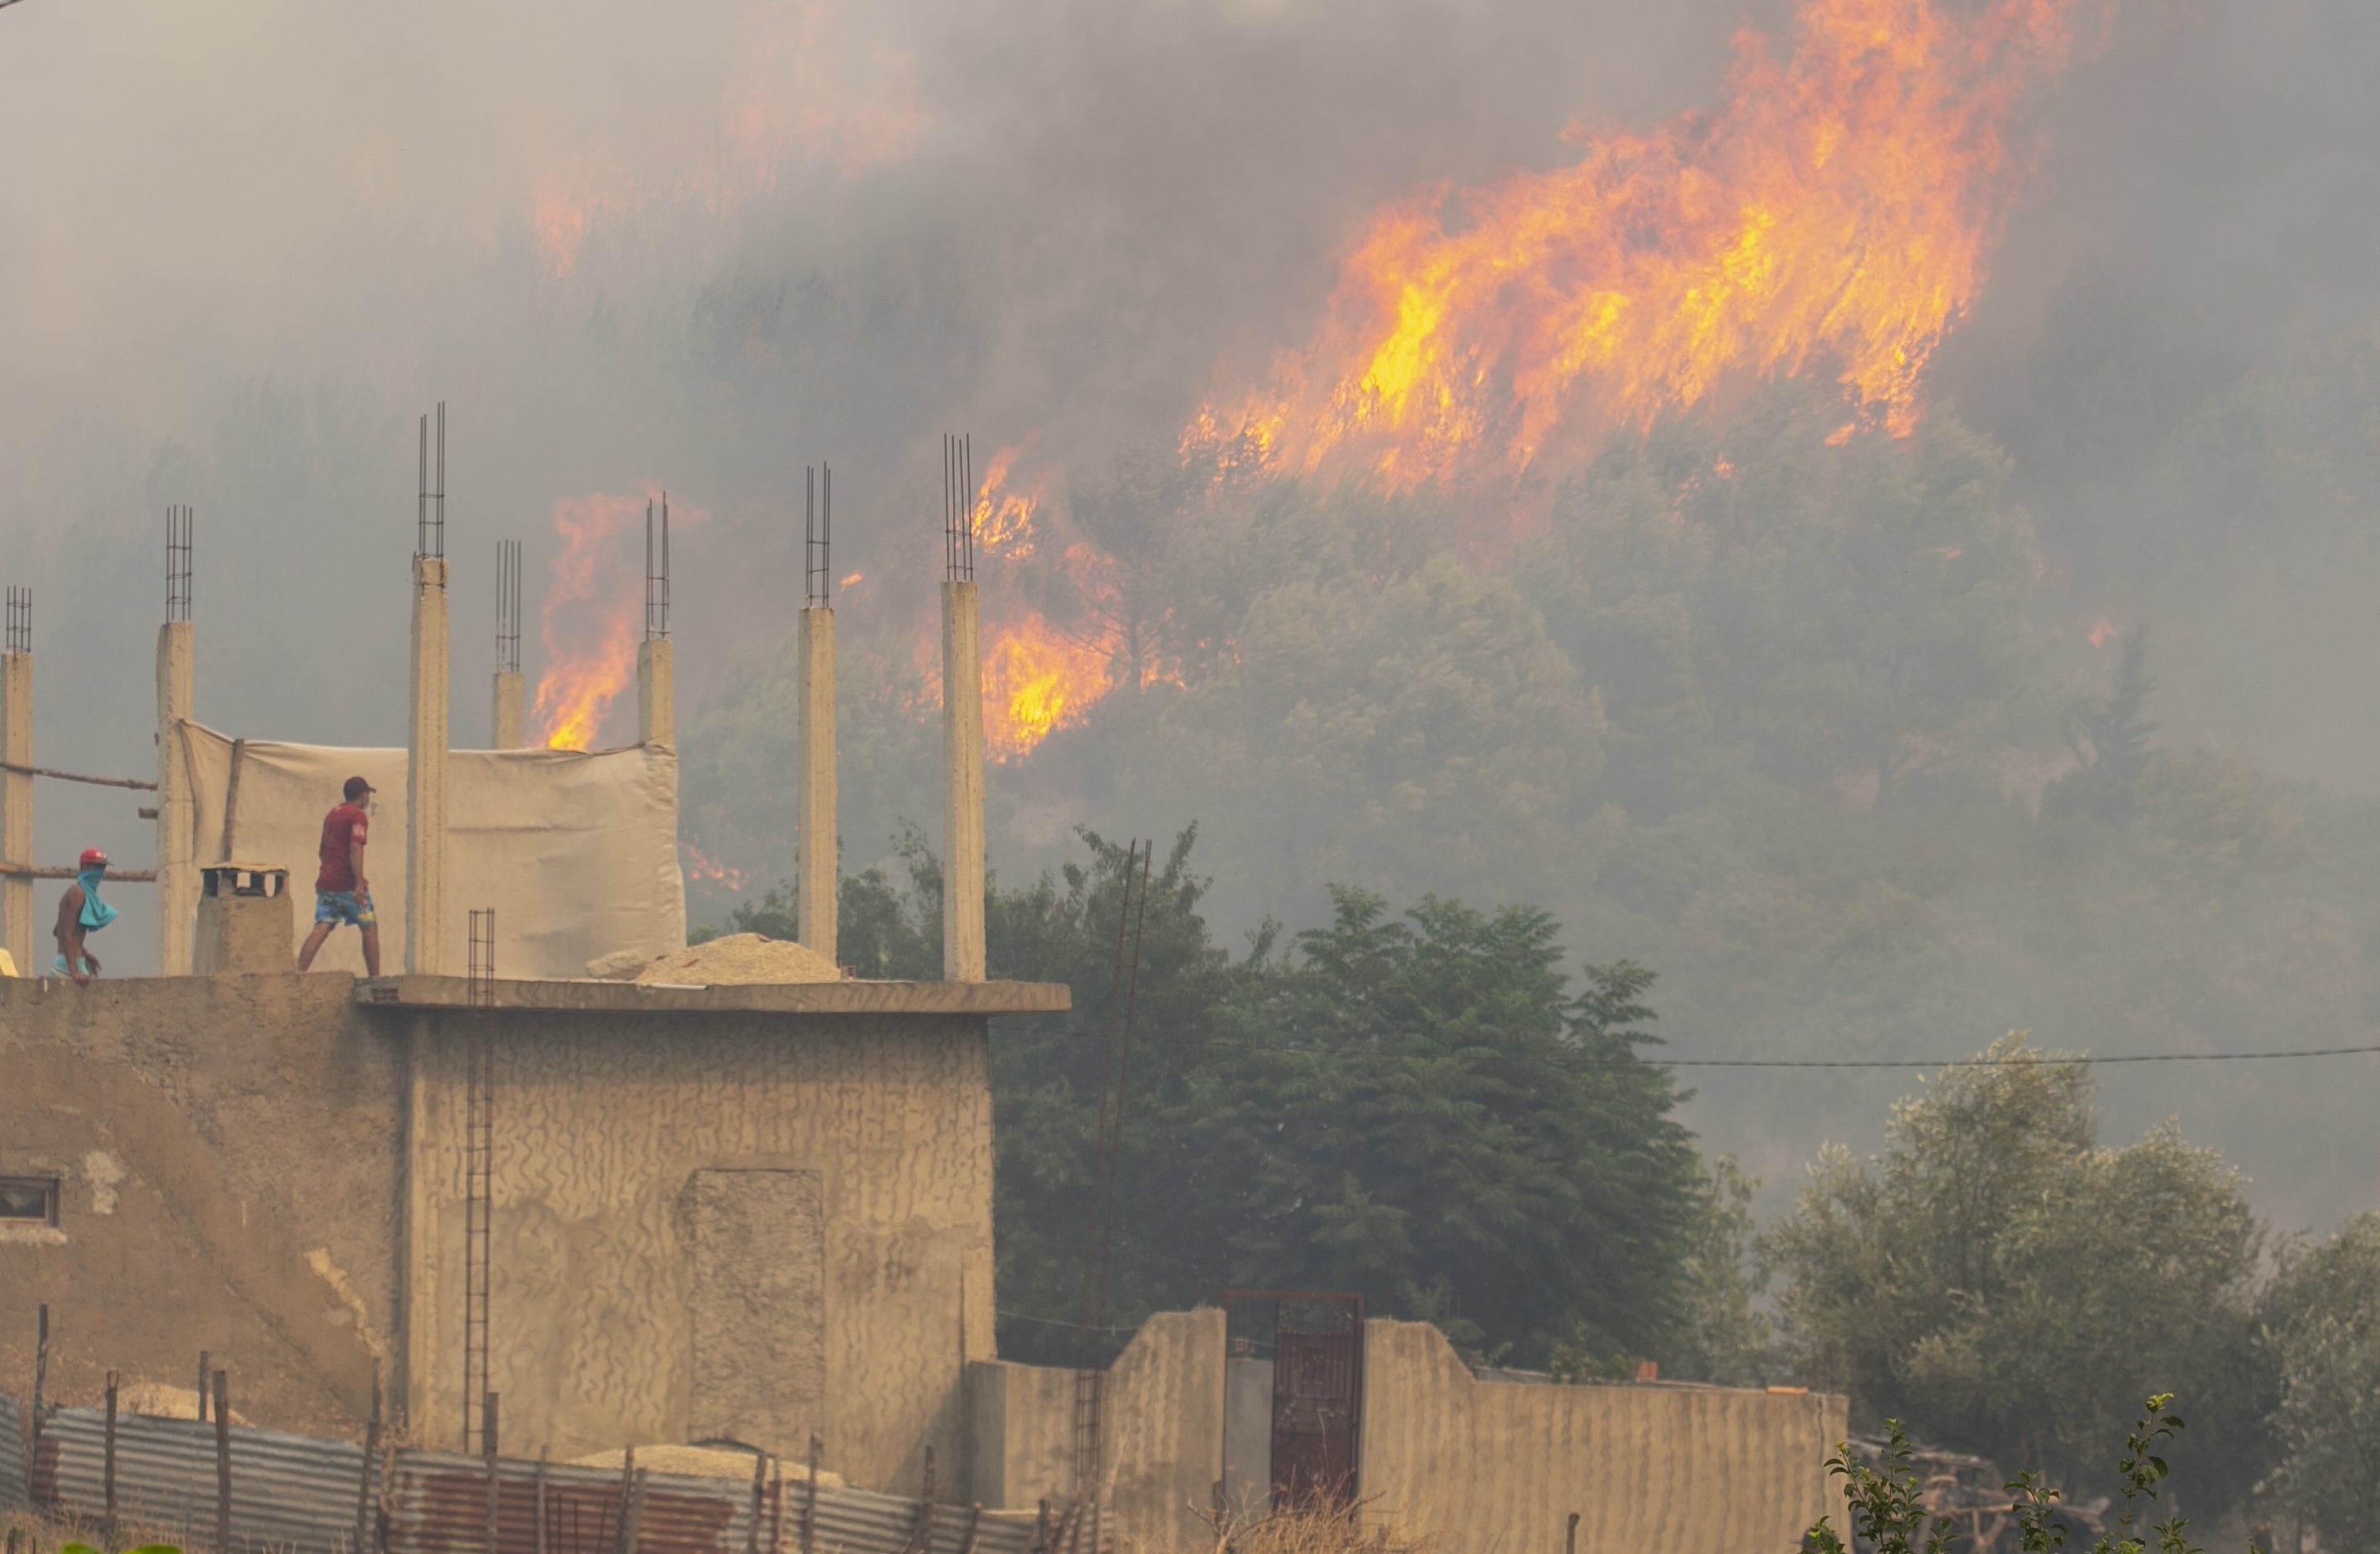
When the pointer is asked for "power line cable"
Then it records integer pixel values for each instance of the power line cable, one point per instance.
(2036, 1057)
(2050, 1057)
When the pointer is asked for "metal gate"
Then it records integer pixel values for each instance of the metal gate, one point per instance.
(1318, 1394)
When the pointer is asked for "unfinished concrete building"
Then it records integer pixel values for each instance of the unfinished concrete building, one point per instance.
(645, 1212)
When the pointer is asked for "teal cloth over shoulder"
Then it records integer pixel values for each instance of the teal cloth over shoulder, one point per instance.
(96, 914)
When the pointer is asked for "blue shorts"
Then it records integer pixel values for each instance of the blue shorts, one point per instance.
(58, 966)
(344, 907)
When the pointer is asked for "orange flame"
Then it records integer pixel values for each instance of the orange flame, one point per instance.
(1836, 208)
(1036, 681)
(702, 866)
(600, 575)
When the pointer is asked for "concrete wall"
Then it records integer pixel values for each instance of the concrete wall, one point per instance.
(714, 1224)
(1247, 1436)
(227, 1146)
(1021, 1433)
(1480, 1466)
(1161, 1444)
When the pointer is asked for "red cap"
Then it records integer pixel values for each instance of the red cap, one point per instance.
(93, 857)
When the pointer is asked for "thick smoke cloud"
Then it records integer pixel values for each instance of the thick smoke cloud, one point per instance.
(694, 248)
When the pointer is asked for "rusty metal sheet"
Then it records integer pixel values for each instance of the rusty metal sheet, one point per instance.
(862, 1522)
(439, 1505)
(288, 1492)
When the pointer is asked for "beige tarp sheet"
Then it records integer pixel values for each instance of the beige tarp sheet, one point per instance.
(575, 851)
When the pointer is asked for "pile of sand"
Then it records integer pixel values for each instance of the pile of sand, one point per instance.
(703, 1462)
(742, 957)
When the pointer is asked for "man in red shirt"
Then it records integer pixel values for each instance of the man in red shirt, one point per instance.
(342, 893)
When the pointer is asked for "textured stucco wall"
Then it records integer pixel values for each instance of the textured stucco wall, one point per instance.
(229, 1148)
(600, 1294)
(1479, 1465)
(1161, 1438)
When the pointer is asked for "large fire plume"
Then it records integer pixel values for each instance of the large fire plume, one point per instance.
(1835, 210)
(593, 615)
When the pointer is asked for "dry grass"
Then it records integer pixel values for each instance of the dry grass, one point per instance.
(1299, 1532)
(40, 1533)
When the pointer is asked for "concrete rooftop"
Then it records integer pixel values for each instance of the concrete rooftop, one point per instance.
(847, 997)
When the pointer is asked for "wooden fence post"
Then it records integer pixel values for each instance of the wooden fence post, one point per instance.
(621, 1534)
(364, 1480)
(41, 1370)
(635, 1510)
(539, 1533)
(1569, 1538)
(488, 1454)
(921, 1535)
(810, 1503)
(113, 1381)
(202, 1385)
(777, 1506)
(760, 1488)
(222, 1463)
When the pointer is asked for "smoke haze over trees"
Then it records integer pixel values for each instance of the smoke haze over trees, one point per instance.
(1831, 740)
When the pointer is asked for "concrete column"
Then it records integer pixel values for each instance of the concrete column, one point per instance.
(506, 734)
(656, 693)
(177, 870)
(425, 775)
(961, 786)
(17, 811)
(814, 837)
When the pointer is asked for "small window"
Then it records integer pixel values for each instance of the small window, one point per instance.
(29, 1200)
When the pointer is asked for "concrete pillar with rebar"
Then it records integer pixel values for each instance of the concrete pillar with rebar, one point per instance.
(963, 955)
(656, 665)
(506, 725)
(426, 741)
(17, 786)
(815, 838)
(178, 866)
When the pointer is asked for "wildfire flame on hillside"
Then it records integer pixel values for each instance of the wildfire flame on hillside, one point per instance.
(1835, 209)
(597, 583)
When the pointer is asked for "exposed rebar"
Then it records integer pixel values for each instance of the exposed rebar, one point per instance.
(429, 511)
(818, 534)
(508, 606)
(657, 578)
(19, 638)
(177, 563)
(958, 507)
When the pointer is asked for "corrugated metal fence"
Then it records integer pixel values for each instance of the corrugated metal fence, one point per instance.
(12, 1455)
(298, 1495)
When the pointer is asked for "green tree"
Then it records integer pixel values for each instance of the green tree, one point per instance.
(1419, 1109)
(2323, 1318)
(1999, 1279)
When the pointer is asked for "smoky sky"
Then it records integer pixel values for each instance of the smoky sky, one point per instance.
(698, 247)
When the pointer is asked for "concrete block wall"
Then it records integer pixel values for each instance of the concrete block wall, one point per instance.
(1161, 1445)
(755, 1226)
(226, 1148)
(1465, 1465)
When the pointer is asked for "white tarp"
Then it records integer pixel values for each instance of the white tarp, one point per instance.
(575, 851)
